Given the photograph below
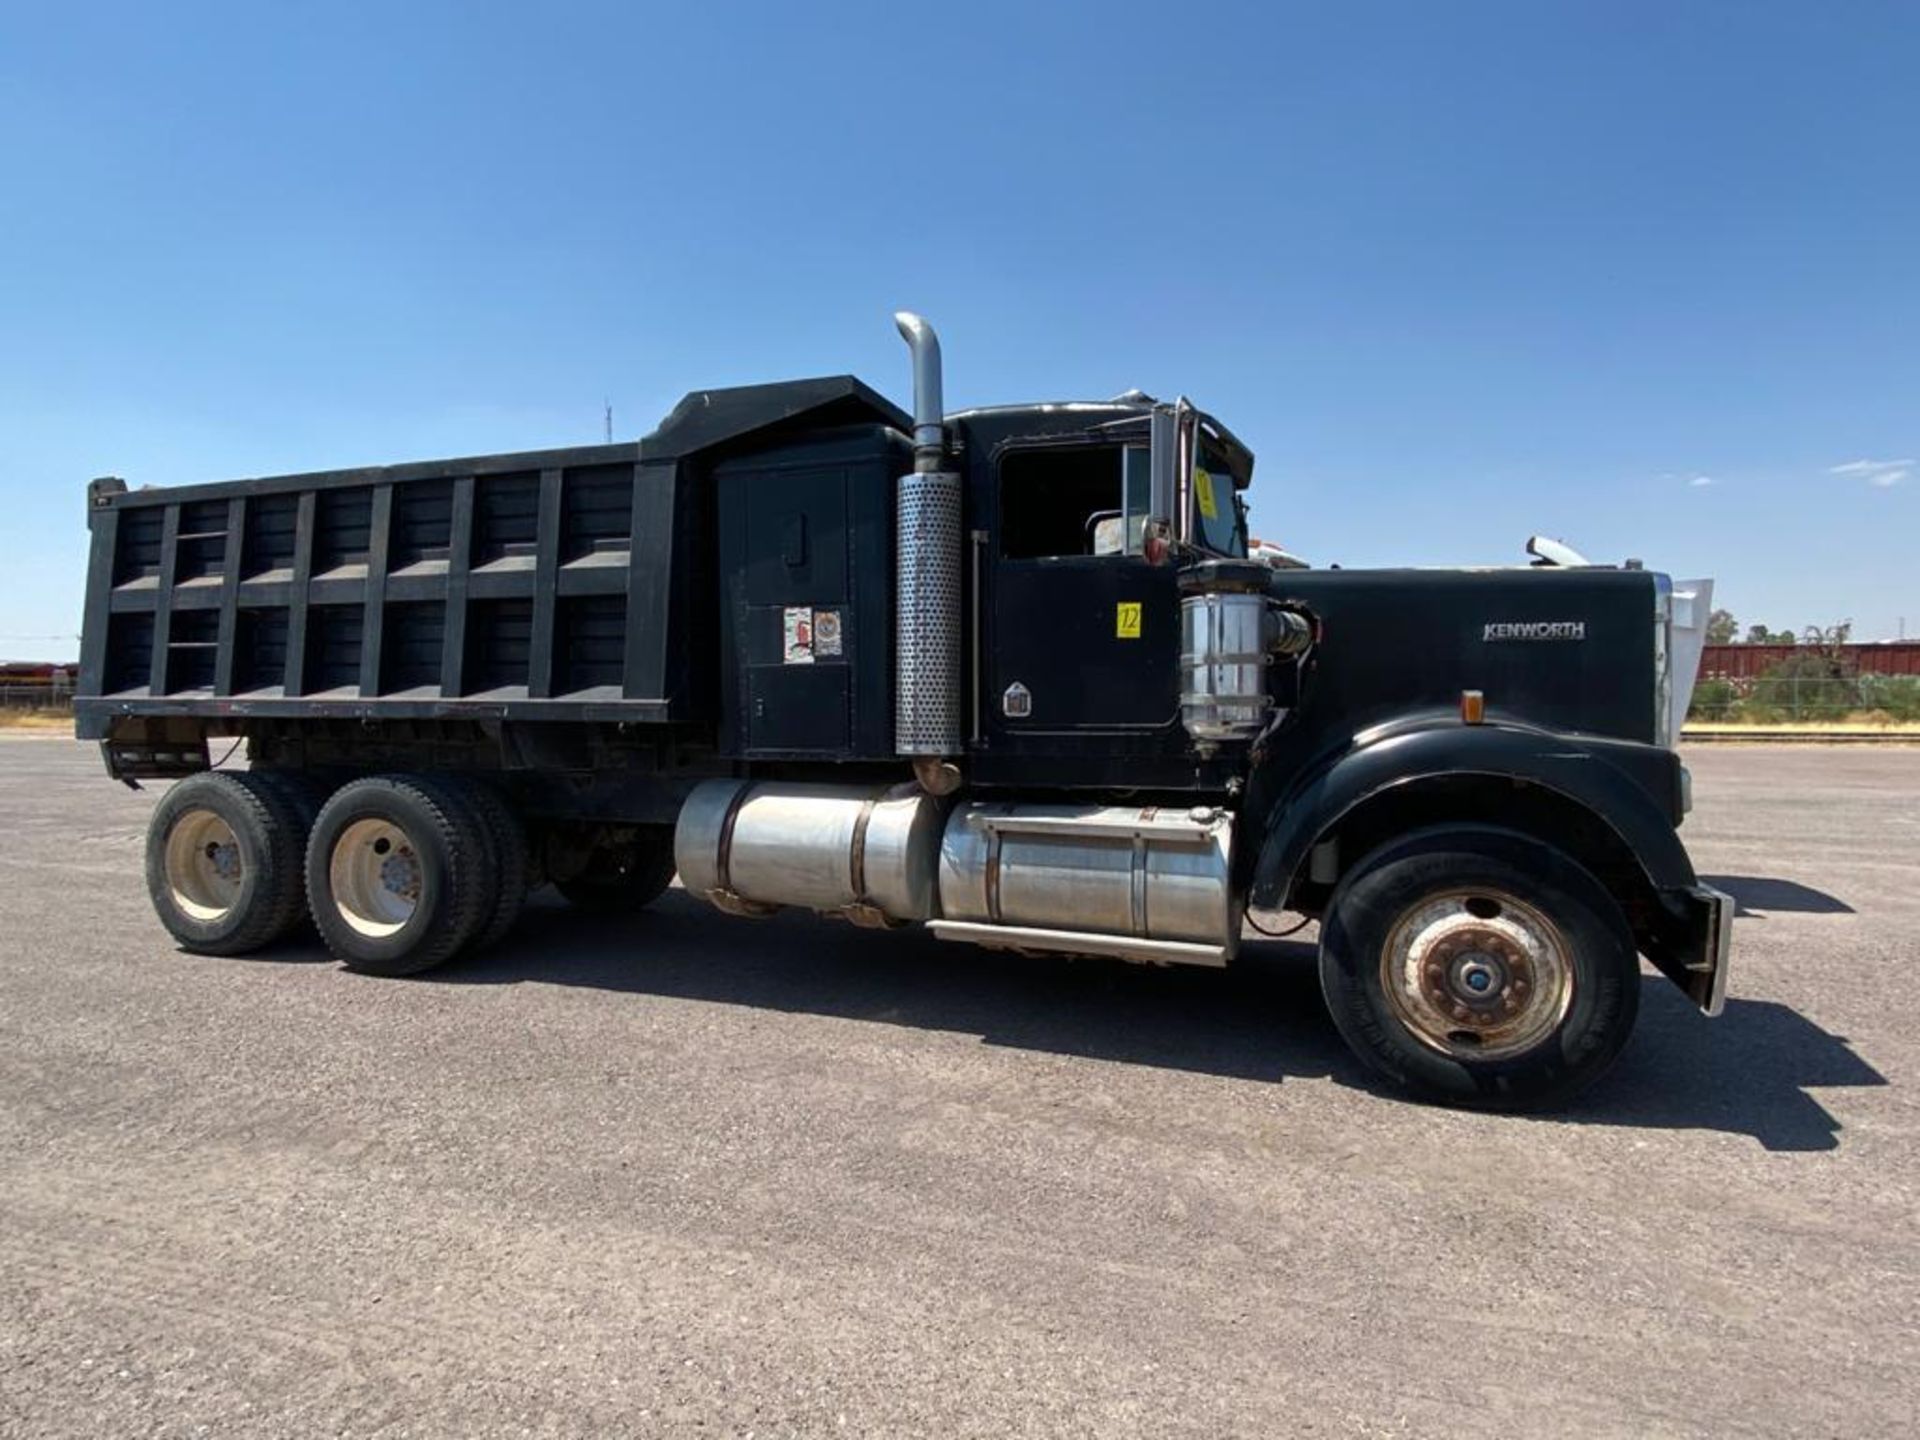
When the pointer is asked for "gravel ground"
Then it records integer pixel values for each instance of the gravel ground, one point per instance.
(685, 1175)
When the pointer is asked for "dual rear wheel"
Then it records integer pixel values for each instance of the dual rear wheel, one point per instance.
(399, 873)
(223, 861)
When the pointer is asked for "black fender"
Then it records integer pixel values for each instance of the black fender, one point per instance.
(1633, 790)
(1589, 772)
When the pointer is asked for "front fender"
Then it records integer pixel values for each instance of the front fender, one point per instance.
(1684, 928)
(1597, 774)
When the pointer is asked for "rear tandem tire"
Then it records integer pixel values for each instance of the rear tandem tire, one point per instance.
(303, 796)
(398, 876)
(512, 865)
(1479, 968)
(223, 862)
(301, 791)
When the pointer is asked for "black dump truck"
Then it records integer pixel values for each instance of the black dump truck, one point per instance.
(1011, 674)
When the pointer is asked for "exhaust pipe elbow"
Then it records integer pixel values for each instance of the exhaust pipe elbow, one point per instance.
(929, 402)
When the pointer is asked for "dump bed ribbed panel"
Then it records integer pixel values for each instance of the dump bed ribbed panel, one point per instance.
(498, 586)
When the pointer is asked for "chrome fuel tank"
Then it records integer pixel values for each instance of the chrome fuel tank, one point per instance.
(1139, 875)
(749, 847)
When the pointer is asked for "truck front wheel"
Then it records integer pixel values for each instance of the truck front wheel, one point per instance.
(1479, 968)
(398, 877)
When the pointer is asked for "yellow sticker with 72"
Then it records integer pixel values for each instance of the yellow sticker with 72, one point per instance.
(1203, 491)
(1126, 620)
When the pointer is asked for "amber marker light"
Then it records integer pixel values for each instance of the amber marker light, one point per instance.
(1473, 707)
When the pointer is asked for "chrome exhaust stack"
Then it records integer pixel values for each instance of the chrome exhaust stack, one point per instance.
(927, 614)
(929, 400)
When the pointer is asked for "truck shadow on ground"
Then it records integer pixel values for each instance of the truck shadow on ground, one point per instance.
(1747, 1073)
(1764, 895)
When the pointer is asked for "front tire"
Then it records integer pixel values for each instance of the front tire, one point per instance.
(1479, 968)
(398, 877)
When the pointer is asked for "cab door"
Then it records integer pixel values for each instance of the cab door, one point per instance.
(1084, 632)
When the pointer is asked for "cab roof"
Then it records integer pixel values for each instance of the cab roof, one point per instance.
(1125, 418)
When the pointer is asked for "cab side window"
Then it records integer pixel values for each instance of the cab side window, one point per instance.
(1072, 500)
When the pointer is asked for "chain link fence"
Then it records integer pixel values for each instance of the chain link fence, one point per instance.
(1785, 696)
(16, 699)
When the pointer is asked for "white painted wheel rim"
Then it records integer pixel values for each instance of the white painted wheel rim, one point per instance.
(204, 869)
(375, 876)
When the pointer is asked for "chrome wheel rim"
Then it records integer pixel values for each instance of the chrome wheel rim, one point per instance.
(204, 869)
(1477, 974)
(375, 876)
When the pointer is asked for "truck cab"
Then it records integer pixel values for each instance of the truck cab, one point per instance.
(1075, 639)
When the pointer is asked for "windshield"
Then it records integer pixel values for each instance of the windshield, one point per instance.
(1219, 524)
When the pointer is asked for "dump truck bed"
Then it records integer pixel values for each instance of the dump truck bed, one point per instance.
(502, 581)
(547, 585)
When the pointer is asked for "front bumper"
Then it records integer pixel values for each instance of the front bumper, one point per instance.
(1697, 944)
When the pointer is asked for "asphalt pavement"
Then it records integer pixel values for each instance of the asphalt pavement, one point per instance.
(690, 1175)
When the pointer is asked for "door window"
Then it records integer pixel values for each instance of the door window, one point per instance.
(1061, 501)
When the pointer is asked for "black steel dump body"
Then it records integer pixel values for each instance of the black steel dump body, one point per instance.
(572, 585)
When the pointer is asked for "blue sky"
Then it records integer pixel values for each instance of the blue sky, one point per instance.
(1643, 276)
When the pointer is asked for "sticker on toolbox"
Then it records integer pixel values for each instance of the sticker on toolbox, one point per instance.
(798, 625)
(826, 633)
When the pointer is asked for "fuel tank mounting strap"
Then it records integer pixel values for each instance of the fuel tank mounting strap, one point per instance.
(1170, 830)
(990, 874)
(857, 859)
(723, 857)
(1137, 887)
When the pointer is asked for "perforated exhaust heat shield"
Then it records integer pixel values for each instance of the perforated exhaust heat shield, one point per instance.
(927, 617)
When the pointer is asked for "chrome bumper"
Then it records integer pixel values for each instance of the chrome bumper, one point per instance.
(1707, 972)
